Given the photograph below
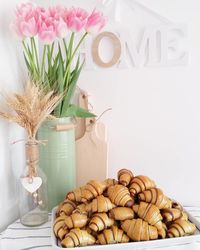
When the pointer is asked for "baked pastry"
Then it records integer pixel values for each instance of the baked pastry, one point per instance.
(177, 205)
(181, 228)
(66, 208)
(75, 195)
(99, 205)
(140, 183)
(92, 189)
(77, 237)
(81, 208)
(100, 221)
(150, 213)
(171, 214)
(162, 232)
(76, 220)
(120, 196)
(111, 211)
(156, 197)
(121, 213)
(139, 230)
(112, 236)
(124, 176)
(184, 216)
(59, 230)
(110, 182)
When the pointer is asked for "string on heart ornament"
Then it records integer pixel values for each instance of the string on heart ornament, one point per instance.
(32, 182)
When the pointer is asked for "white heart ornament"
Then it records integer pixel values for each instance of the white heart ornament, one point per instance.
(31, 184)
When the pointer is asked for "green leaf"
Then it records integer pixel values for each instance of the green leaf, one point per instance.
(76, 111)
(53, 73)
(27, 63)
(66, 49)
(70, 91)
(60, 84)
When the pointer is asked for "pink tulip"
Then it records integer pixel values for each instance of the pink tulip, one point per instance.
(26, 22)
(25, 10)
(47, 31)
(96, 21)
(55, 12)
(61, 29)
(76, 19)
(51, 25)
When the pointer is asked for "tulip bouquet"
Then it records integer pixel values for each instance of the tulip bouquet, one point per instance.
(57, 65)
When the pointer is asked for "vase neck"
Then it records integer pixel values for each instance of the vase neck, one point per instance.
(32, 158)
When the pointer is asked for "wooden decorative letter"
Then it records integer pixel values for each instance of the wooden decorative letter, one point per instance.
(117, 49)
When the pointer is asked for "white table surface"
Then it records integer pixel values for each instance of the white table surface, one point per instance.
(19, 237)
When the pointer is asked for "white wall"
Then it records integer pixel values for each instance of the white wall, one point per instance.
(11, 74)
(154, 125)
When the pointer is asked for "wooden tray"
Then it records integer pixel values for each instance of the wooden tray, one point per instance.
(136, 245)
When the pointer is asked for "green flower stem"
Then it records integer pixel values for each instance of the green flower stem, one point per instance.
(49, 55)
(72, 56)
(71, 44)
(32, 49)
(36, 54)
(71, 53)
(78, 45)
(68, 64)
(30, 57)
(43, 61)
(52, 49)
(65, 46)
(35, 60)
(25, 48)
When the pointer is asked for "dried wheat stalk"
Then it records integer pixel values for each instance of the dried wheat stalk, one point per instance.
(30, 108)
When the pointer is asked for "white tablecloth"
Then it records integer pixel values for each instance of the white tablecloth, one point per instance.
(19, 237)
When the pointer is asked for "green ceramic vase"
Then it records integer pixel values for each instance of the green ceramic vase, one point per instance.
(57, 159)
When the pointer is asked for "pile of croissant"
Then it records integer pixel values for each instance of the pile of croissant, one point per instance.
(113, 211)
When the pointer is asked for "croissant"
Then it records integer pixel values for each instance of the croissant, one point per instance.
(66, 208)
(150, 213)
(92, 189)
(90, 231)
(139, 230)
(77, 237)
(162, 232)
(184, 216)
(81, 208)
(112, 236)
(75, 220)
(75, 195)
(100, 221)
(156, 197)
(59, 230)
(100, 204)
(171, 214)
(177, 205)
(124, 176)
(109, 182)
(181, 228)
(120, 196)
(140, 183)
(121, 213)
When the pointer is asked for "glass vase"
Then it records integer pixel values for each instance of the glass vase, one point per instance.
(57, 158)
(33, 206)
